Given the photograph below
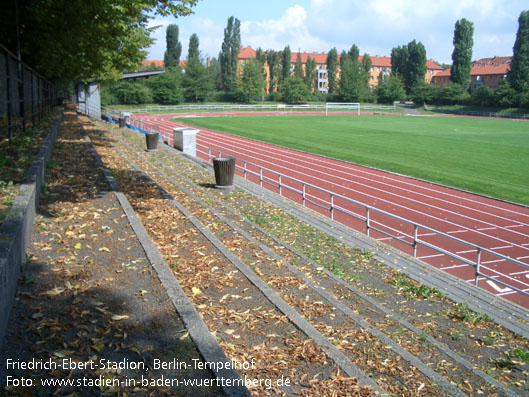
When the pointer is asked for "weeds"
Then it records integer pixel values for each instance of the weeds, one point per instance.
(411, 289)
(462, 312)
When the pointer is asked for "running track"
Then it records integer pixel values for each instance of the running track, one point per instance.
(499, 226)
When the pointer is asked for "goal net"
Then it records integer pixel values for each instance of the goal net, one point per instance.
(342, 107)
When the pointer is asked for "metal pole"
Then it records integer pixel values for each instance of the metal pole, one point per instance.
(303, 195)
(279, 181)
(367, 221)
(478, 263)
(332, 206)
(261, 177)
(415, 233)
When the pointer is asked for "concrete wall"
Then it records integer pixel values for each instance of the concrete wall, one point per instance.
(16, 229)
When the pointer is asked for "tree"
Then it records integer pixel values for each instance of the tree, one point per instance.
(410, 63)
(197, 82)
(214, 73)
(273, 58)
(172, 54)
(424, 93)
(506, 96)
(519, 73)
(96, 39)
(352, 87)
(354, 76)
(416, 65)
(484, 96)
(252, 80)
(294, 90)
(462, 54)
(298, 67)
(399, 61)
(166, 88)
(193, 52)
(310, 73)
(286, 60)
(332, 64)
(229, 55)
(390, 89)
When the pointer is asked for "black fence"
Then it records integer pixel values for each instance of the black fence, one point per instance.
(25, 96)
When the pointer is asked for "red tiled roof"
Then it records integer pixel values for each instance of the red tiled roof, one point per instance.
(158, 64)
(248, 52)
(479, 70)
(431, 65)
(493, 61)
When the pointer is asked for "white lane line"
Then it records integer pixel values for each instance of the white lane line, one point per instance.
(430, 256)
(454, 267)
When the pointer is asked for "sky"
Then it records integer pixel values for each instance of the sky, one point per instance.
(374, 26)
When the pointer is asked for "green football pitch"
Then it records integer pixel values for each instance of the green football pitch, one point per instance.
(486, 156)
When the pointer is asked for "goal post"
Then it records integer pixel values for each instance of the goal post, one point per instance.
(342, 106)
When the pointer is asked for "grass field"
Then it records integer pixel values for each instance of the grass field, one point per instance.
(486, 156)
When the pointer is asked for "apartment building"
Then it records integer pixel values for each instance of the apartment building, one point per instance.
(380, 66)
(486, 71)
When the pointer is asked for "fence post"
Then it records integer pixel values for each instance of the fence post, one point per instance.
(478, 263)
(415, 234)
(367, 222)
(244, 170)
(332, 206)
(280, 190)
(261, 177)
(303, 195)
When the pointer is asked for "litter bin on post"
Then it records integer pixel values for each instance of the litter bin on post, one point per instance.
(224, 172)
(185, 140)
(122, 121)
(152, 140)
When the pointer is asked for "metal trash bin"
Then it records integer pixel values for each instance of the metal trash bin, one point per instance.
(224, 171)
(122, 122)
(152, 140)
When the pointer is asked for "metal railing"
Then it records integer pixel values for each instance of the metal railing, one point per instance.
(242, 107)
(25, 96)
(331, 208)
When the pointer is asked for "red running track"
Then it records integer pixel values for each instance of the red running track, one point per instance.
(493, 224)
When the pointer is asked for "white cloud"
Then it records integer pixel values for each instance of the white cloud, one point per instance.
(289, 29)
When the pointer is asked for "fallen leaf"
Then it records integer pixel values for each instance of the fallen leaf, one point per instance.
(118, 317)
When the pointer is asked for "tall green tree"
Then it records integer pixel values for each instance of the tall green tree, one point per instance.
(462, 54)
(416, 65)
(286, 60)
(399, 60)
(252, 80)
(68, 40)
(273, 59)
(173, 50)
(298, 67)
(197, 82)
(310, 73)
(519, 74)
(213, 69)
(229, 55)
(409, 62)
(193, 52)
(332, 64)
